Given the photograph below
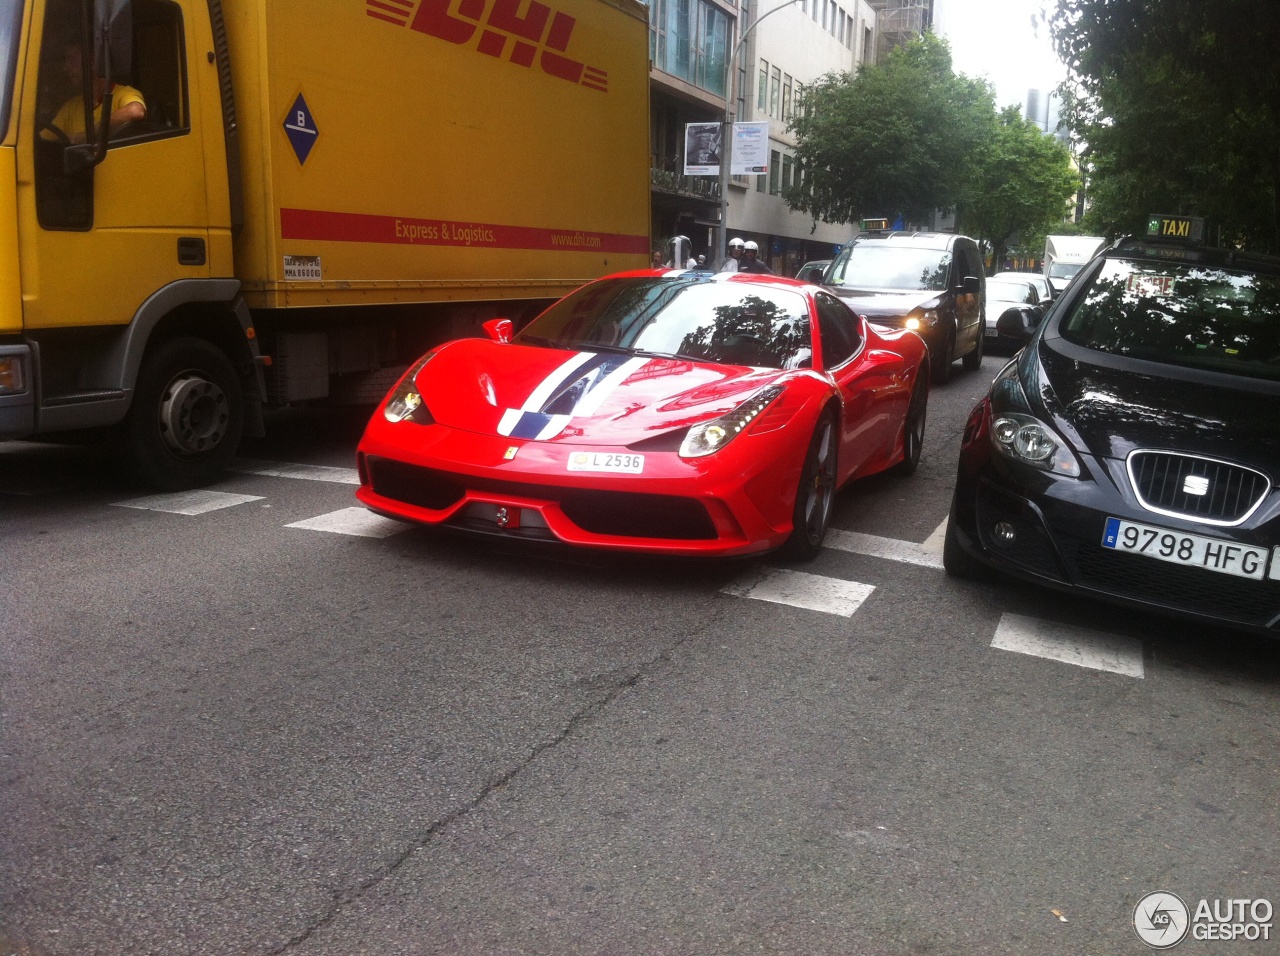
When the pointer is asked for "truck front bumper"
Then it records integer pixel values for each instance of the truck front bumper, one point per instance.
(17, 394)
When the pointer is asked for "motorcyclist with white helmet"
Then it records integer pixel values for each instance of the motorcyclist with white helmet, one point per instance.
(731, 261)
(750, 262)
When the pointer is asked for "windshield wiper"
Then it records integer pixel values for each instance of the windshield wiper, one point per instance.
(539, 340)
(643, 353)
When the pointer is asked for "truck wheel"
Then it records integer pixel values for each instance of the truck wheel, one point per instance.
(187, 416)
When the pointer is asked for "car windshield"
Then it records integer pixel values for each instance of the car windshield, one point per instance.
(1182, 314)
(10, 29)
(689, 317)
(1008, 290)
(898, 268)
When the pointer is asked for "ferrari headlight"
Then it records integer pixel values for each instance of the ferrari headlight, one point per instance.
(405, 401)
(1030, 441)
(709, 437)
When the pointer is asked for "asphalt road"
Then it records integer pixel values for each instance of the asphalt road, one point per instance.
(223, 734)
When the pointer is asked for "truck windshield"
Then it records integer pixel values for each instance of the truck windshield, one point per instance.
(1179, 314)
(1064, 270)
(10, 28)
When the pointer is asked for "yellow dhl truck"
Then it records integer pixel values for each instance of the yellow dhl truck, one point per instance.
(210, 207)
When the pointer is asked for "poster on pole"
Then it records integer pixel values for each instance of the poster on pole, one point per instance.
(702, 149)
(750, 155)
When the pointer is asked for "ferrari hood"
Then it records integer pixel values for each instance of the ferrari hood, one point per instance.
(1115, 411)
(549, 394)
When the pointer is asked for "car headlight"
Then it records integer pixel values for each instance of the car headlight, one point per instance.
(709, 437)
(925, 315)
(1019, 435)
(405, 401)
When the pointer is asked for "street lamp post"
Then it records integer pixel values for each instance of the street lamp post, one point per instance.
(726, 127)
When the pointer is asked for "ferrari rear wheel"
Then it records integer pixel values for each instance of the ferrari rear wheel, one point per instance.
(913, 429)
(815, 498)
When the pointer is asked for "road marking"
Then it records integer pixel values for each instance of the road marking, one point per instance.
(927, 555)
(282, 469)
(187, 502)
(1069, 644)
(353, 521)
(809, 591)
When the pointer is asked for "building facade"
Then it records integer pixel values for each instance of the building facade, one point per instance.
(691, 45)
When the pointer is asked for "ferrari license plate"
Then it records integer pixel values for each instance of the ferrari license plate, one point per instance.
(1190, 550)
(606, 461)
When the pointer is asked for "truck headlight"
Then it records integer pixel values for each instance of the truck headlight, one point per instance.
(13, 379)
(710, 436)
(405, 401)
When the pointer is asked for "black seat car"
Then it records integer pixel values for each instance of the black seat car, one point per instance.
(1132, 450)
(930, 282)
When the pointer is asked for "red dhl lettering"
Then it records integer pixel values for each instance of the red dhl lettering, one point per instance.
(540, 34)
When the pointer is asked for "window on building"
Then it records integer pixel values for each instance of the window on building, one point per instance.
(775, 91)
(787, 170)
(866, 45)
(760, 184)
(775, 172)
(797, 101)
(762, 88)
(689, 39)
(786, 96)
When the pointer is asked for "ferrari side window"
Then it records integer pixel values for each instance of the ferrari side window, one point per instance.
(838, 331)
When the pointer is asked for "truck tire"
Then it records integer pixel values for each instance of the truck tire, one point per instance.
(187, 416)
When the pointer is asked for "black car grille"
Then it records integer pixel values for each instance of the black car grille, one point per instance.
(1223, 596)
(1160, 480)
(619, 513)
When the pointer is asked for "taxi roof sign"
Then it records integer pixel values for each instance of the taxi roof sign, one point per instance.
(869, 225)
(1188, 229)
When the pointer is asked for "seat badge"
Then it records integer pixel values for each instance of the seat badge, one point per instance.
(1195, 485)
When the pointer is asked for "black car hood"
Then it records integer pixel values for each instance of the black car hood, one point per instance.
(1115, 410)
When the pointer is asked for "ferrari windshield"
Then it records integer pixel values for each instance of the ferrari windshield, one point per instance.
(1182, 314)
(10, 30)
(689, 317)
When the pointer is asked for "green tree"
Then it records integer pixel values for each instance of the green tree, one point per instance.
(1178, 105)
(1022, 183)
(893, 139)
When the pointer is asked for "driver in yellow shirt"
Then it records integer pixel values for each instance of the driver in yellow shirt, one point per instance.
(127, 104)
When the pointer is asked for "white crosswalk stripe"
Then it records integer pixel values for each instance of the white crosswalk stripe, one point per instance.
(280, 469)
(927, 555)
(798, 589)
(353, 521)
(1069, 645)
(187, 502)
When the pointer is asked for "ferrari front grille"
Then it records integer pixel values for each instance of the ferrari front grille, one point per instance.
(1197, 488)
(625, 514)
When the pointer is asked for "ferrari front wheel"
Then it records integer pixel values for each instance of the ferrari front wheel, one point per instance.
(816, 495)
(913, 429)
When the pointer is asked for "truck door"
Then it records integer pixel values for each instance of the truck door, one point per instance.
(99, 241)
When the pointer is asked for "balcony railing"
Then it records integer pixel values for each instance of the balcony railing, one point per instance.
(694, 187)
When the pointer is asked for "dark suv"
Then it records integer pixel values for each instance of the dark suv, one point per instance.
(931, 282)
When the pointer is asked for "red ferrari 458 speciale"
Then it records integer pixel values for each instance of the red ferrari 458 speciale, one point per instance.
(680, 413)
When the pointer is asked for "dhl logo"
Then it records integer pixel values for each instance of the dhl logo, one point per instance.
(502, 30)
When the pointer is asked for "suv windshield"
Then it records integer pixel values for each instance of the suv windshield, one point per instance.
(1181, 314)
(10, 29)
(896, 268)
(691, 318)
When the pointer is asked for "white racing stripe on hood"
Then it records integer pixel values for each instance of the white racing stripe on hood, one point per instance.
(599, 392)
(553, 381)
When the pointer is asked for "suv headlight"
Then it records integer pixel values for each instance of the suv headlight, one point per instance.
(709, 437)
(405, 401)
(1020, 436)
(925, 315)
